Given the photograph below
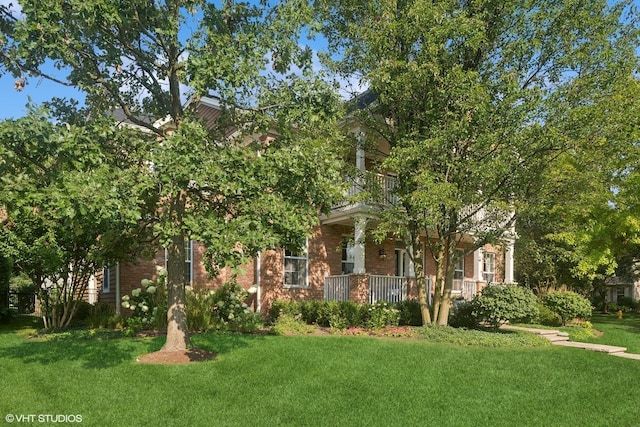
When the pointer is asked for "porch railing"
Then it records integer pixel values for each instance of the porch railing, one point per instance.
(468, 289)
(336, 288)
(387, 288)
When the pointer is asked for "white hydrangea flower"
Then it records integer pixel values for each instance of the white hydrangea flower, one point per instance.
(125, 298)
(125, 304)
(136, 292)
(144, 308)
(146, 282)
(151, 289)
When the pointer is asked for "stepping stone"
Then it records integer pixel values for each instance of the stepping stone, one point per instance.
(609, 349)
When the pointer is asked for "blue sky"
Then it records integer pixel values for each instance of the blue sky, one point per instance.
(13, 103)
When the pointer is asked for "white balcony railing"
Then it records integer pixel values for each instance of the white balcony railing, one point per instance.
(378, 189)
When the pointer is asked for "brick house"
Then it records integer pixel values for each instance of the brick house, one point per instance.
(339, 262)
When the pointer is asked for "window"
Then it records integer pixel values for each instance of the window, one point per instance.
(295, 268)
(347, 257)
(188, 261)
(458, 274)
(619, 292)
(106, 280)
(489, 267)
(402, 263)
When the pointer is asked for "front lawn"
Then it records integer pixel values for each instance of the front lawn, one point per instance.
(623, 332)
(314, 381)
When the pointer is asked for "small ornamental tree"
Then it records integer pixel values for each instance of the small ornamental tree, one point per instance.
(498, 304)
(568, 305)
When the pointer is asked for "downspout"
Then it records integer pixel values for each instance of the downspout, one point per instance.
(118, 288)
(258, 287)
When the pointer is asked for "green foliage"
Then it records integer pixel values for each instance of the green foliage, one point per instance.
(229, 310)
(287, 324)
(71, 202)
(460, 336)
(547, 317)
(145, 304)
(5, 277)
(498, 304)
(382, 314)
(628, 303)
(338, 314)
(463, 315)
(568, 305)
(235, 192)
(409, 312)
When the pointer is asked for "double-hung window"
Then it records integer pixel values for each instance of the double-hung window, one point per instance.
(489, 267)
(295, 268)
(458, 274)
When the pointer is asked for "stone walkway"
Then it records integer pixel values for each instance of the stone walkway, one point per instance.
(562, 338)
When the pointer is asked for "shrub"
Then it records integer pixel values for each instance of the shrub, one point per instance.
(410, 314)
(547, 317)
(288, 324)
(628, 303)
(146, 303)
(462, 315)
(103, 315)
(279, 307)
(498, 304)
(568, 305)
(221, 309)
(382, 314)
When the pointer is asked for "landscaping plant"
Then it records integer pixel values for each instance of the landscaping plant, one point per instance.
(568, 305)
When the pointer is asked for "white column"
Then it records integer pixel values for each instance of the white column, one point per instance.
(478, 256)
(359, 244)
(508, 262)
(360, 153)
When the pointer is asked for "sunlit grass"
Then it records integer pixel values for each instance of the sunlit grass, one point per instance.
(316, 381)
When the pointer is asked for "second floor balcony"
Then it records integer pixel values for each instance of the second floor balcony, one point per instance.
(371, 189)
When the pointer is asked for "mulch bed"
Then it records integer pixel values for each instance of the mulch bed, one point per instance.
(178, 357)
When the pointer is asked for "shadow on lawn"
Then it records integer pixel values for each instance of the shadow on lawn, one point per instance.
(104, 349)
(629, 321)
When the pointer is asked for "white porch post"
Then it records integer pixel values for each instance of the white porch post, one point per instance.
(360, 223)
(508, 262)
(478, 256)
(360, 153)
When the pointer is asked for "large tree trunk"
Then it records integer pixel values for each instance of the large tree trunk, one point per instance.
(177, 330)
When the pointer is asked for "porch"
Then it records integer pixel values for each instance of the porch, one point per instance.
(369, 288)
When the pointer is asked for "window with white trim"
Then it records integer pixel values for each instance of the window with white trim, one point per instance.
(489, 267)
(347, 257)
(458, 274)
(295, 268)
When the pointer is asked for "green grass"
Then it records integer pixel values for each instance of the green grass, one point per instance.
(315, 381)
(623, 332)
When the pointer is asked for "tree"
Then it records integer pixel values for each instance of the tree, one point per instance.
(72, 204)
(584, 227)
(467, 94)
(222, 185)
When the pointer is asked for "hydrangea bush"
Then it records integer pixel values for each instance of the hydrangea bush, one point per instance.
(147, 304)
